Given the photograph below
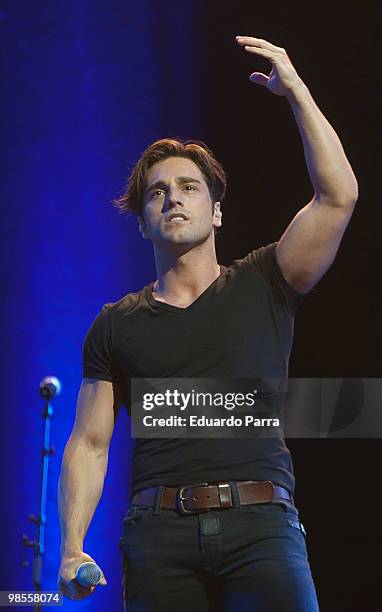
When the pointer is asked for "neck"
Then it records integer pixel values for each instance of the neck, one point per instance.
(183, 276)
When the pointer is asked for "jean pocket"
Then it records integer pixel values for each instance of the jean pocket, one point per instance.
(135, 515)
(269, 511)
(296, 524)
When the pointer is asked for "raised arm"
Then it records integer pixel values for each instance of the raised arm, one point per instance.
(309, 244)
(82, 477)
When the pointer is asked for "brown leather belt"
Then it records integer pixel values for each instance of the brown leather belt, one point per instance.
(201, 497)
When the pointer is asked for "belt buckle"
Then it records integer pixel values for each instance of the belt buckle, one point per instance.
(180, 499)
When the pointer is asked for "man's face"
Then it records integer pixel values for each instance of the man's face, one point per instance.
(177, 206)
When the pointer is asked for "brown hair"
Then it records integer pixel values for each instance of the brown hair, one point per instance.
(131, 200)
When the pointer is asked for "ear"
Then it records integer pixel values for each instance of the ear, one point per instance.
(217, 216)
(142, 227)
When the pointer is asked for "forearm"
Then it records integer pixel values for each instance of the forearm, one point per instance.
(79, 490)
(330, 172)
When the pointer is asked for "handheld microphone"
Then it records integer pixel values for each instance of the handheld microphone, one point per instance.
(88, 574)
(50, 387)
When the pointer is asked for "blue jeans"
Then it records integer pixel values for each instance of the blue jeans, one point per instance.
(250, 559)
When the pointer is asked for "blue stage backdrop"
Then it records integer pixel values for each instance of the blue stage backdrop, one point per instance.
(87, 86)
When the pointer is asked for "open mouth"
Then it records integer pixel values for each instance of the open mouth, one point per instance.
(177, 217)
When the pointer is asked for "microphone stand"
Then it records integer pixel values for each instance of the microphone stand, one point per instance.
(48, 389)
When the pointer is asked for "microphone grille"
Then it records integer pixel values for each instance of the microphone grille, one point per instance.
(88, 574)
(50, 387)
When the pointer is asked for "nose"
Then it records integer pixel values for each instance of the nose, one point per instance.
(173, 198)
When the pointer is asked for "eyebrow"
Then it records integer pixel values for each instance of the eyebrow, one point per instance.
(179, 179)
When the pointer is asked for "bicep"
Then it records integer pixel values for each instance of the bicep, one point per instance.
(309, 244)
(97, 406)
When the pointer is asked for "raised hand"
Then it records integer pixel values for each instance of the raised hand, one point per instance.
(283, 78)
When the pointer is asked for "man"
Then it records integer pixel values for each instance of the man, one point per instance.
(234, 541)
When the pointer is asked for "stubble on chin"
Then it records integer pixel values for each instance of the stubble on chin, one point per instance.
(181, 237)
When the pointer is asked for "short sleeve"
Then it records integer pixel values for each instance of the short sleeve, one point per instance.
(264, 260)
(97, 349)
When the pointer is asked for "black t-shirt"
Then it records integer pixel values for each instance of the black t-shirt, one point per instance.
(241, 326)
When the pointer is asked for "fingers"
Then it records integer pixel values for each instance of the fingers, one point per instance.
(259, 44)
(259, 78)
(269, 55)
(103, 581)
(73, 590)
(67, 582)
